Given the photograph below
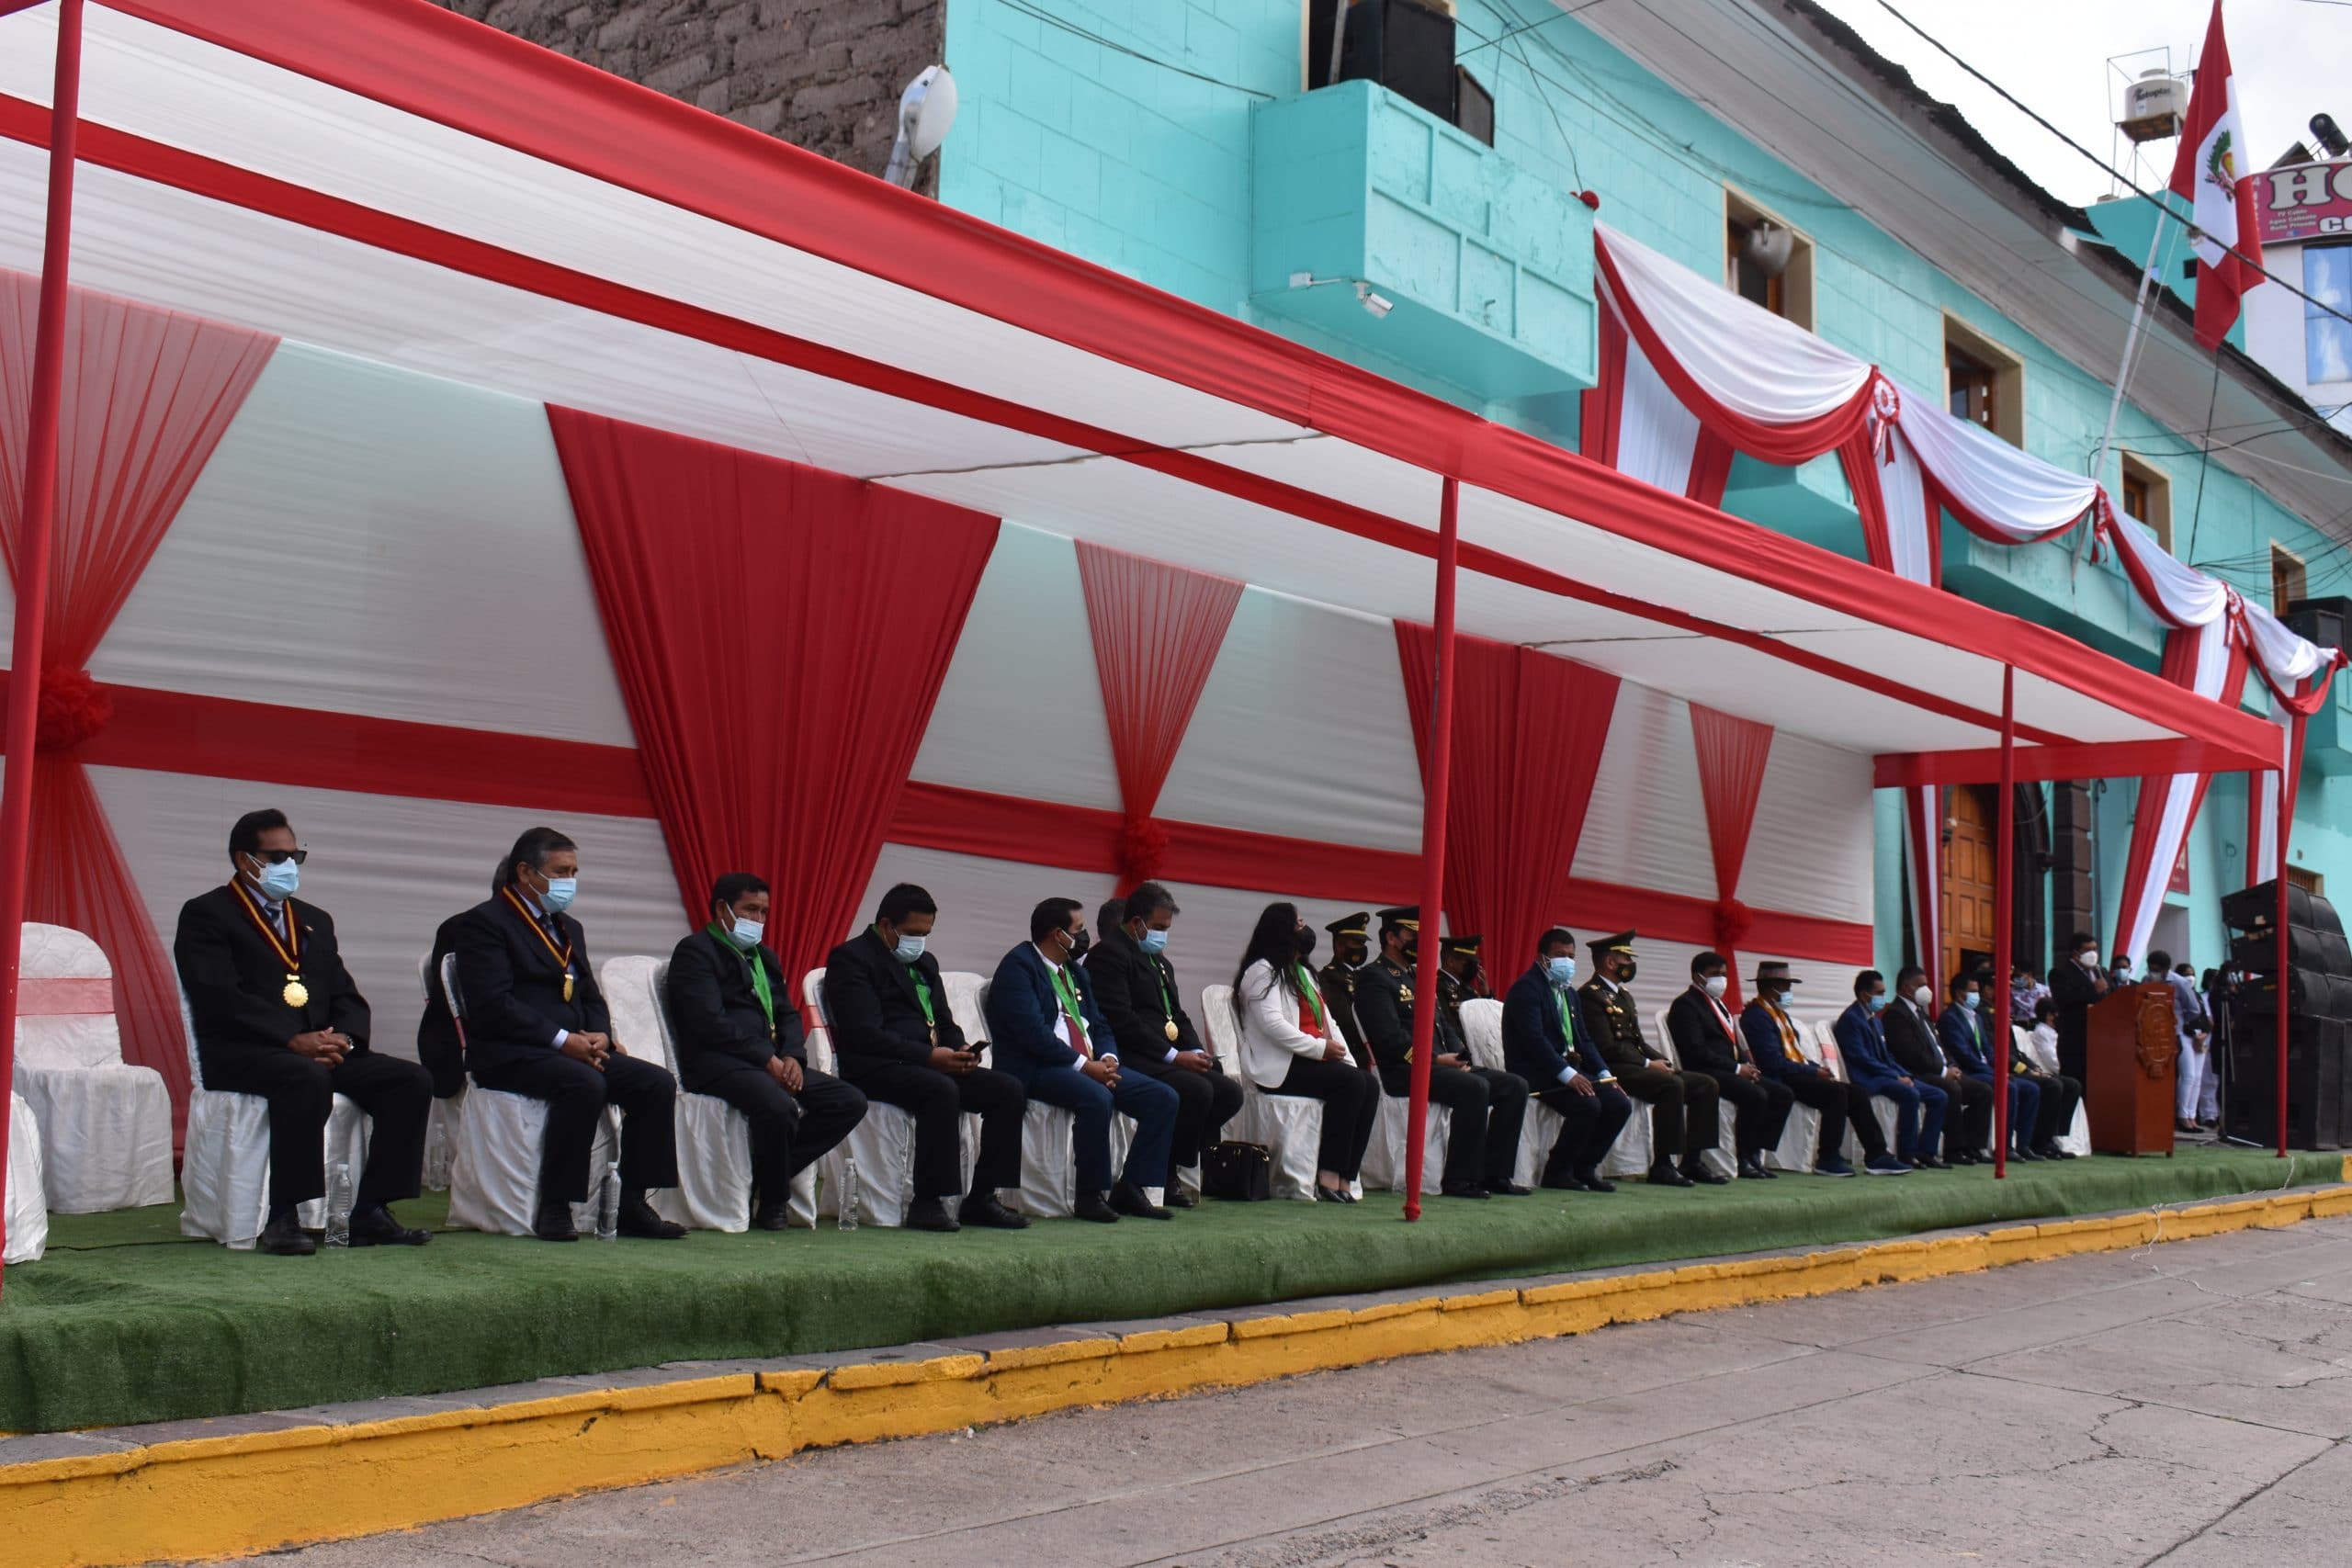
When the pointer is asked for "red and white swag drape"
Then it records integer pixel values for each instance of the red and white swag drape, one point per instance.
(1691, 372)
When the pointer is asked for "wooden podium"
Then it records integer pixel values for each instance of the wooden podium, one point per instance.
(2134, 1049)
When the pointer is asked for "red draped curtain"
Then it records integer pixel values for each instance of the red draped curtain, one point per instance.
(1156, 630)
(1529, 729)
(780, 634)
(148, 394)
(1732, 755)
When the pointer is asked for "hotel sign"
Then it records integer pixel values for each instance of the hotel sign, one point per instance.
(2304, 201)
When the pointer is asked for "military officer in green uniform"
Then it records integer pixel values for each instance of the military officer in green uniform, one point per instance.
(1487, 1106)
(1682, 1105)
(1350, 946)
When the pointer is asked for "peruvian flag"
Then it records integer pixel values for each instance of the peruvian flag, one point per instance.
(2213, 172)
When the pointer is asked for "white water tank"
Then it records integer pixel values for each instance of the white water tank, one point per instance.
(2153, 105)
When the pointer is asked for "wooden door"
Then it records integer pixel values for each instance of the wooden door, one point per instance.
(1968, 880)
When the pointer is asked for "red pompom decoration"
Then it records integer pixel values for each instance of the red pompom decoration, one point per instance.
(73, 708)
(1590, 199)
(1732, 922)
(1143, 846)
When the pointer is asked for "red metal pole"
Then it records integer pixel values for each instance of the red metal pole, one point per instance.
(2288, 777)
(2004, 916)
(34, 540)
(1433, 794)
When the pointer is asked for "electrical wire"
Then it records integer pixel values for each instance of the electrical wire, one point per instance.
(1543, 22)
(1066, 25)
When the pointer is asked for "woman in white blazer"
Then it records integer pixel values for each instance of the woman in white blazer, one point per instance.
(1289, 1045)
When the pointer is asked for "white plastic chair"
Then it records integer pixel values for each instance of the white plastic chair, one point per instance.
(106, 1126)
(1288, 1126)
(224, 1164)
(27, 1215)
(494, 1165)
(883, 1142)
(1825, 1042)
(1802, 1133)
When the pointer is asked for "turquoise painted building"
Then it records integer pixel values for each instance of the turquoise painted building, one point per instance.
(1177, 141)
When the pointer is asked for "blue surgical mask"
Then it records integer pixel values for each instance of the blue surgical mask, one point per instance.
(1153, 941)
(1876, 1003)
(1562, 970)
(280, 882)
(747, 933)
(909, 948)
(558, 896)
(1975, 999)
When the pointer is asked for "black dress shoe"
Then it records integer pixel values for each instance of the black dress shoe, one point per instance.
(1129, 1199)
(2025, 1154)
(1929, 1162)
(1508, 1190)
(638, 1219)
(1333, 1194)
(554, 1223)
(285, 1237)
(1461, 1189)
(773, 1217)
(375, 1226)
(1750, 1170)
(1094, 1208)
(1596, 1182)
(1966, 1157)
(1180, 1199)
(931, 1215)
(1666, 1176)
(988, 1209)
(1564, 1183)
(1699, 1175)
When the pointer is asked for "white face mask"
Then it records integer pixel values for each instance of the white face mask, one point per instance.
(2089, 960)
(1925, 998)
(1717, 985)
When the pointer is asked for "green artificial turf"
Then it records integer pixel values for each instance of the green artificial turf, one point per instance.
(125, 1321)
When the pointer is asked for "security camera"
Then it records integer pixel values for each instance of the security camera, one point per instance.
(1377, 303)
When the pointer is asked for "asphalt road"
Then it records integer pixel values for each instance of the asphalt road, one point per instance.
(2188, 1404)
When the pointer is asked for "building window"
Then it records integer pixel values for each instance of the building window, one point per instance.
(2147, 495)
(1753, 240)
(1983, 383)
(2328, 336)
(2286, 580)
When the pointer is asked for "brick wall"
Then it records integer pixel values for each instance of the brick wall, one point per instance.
(824, 75)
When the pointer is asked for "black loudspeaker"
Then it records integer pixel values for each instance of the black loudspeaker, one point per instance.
(2320, 621)
(2318, 1084)
(1474, 107)
(2255, 907)
(1405, 46)
(2326, 952)
(2310, 994)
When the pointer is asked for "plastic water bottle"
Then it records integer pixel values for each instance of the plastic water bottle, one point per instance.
(847, 1219)
(339, 1203)
(608, 1204)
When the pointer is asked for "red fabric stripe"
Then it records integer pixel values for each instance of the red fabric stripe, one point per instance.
(2108, 760)
(1603, 407)
(1733, 753)
(2180, 668)
(63, 998)
(1860, 466)
(1711, 461)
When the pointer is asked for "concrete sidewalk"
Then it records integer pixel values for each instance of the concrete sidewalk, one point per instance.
(2187, 1403)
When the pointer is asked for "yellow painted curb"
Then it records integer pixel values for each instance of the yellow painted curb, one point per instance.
(223, 1496)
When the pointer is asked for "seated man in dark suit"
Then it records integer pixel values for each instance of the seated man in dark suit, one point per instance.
(1909, 1022)
(276, 1015)
(1966, 1037)
(1772, 1047)
(1707, 1039)
(1047, 1031)
(898, 1042)
(1545, 1043)
(1919, 1106)
(738, 1037)
(1682, 1103)
(535, 1024)
(1153, 1035)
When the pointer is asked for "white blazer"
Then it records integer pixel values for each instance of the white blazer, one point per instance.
(1271, 1037)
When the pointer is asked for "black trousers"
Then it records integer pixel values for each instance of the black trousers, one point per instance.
(1593, 1122)
(1763, 1106)
(1204, 1103)
(938, 1102)
(577, 1094)
(1968, 1126)
(2060, 1095)
(1682, 1112)
(1841, 1105)
(788, 1130)
(1488, 1109)
(301, 1093)
(1351, 1100)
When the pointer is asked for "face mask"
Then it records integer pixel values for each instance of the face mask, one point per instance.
(1876, 1003)
(1974, 1000)
(747, 933)
(2089, 960)
(558, 896)
(1625, 976)
(1925, 998)
(280, 882)
(1079, 944)
(909, 948)
(1303, 940)
(1153, 941)
(1717, 985)
(1563, 971)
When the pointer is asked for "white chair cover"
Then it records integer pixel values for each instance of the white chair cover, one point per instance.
(1802, 1132)
(494, 1157)
(1289, 1126)
(27, 1217)
(224, 1165)
(105, 1125)
(883, 1143)
(1824, 1044)
(1384, 1160)
(1482, 1027)
(2076, 1139)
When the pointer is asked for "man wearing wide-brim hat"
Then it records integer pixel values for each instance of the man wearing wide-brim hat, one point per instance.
(1772, 1040)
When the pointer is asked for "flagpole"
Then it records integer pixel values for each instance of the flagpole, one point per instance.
(2130, 347)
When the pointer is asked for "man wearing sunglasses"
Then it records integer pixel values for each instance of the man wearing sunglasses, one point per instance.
(276, 1015)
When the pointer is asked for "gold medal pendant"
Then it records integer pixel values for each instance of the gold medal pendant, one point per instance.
(1170, 1029)
(296, 993)
(567, 987)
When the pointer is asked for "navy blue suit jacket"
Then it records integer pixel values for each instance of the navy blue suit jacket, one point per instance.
(1023, 1009)
(1959, 1043)
(1756, 1023)
(1861, 1041)
(1535, 1046)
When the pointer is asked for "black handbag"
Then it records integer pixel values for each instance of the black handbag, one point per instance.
(1242, 1173)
